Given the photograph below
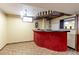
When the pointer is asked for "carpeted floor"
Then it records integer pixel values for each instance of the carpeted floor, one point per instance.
(29, 48)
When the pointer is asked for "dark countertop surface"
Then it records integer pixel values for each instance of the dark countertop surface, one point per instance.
(48, 30)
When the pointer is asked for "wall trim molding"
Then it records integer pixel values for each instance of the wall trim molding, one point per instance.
(14, 43)
(71, 48)
(20, 42)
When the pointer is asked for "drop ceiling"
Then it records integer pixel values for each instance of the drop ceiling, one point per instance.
(34, 8)
(16, 8)
(63, 7)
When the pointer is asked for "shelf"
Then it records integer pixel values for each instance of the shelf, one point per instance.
(53, 15)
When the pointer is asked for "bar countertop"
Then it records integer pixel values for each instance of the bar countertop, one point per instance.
(48, 30)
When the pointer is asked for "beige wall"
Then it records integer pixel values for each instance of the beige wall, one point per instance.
(71, 37)
(3, 30)
(18, 30)
(13, 29)
(43, 24)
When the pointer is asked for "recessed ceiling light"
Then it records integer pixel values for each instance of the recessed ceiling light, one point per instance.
(27, 19)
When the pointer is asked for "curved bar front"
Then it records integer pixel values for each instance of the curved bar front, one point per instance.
(53, 40)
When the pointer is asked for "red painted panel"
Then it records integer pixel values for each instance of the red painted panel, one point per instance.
(77, 42)
(51, 40)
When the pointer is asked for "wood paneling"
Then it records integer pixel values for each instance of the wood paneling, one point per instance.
(77, 45)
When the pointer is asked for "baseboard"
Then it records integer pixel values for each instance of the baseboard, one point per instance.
(19, 42)
(3, 47)
(14, 43)
(26, 41)
(71, 47)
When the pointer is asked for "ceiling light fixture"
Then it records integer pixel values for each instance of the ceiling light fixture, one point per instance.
(24, 16)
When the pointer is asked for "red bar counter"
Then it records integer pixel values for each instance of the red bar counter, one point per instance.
(53, 40)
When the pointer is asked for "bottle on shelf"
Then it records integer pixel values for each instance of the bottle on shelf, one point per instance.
(48, 11)
(45, 12)
(51, 12)
(40, 14)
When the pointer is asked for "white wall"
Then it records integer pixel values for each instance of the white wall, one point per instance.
(55, 23)
(18, 30)
(3, 30)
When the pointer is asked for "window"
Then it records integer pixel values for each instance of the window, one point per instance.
(69, 23)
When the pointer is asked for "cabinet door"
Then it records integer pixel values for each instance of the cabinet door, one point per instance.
(71, 39)
(61, 24)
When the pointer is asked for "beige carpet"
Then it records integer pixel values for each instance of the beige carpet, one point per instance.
(30, 48)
